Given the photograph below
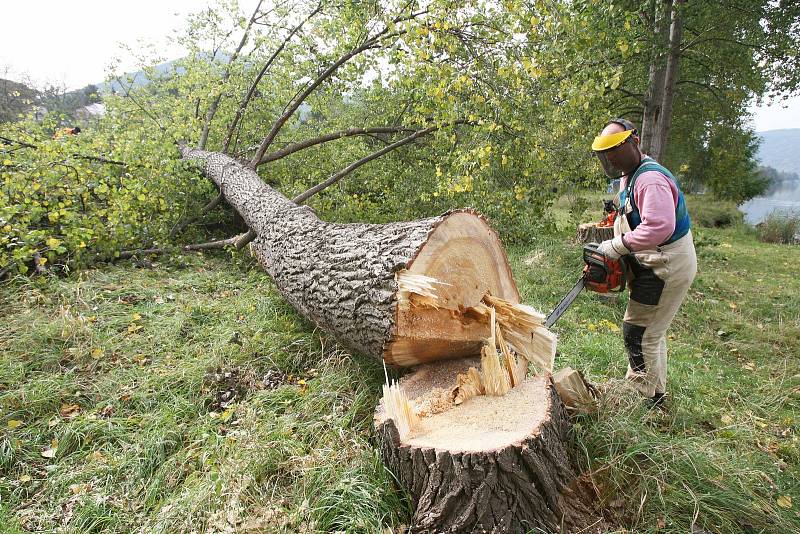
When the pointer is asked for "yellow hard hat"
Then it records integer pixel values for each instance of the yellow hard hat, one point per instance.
(607, 142)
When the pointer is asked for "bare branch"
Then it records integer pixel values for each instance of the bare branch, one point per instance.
(212, 110)
(99, 159)
(222, 243)
(179, 227)
(246, 100)
(242, 240)
(295, 103)
(142, 108)
(296, 147)
(301, 198)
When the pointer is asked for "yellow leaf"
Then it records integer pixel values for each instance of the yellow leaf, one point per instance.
(785, 501)
(42, 260)
(136, 317)
(7, 228)
(52, 242)
(97, 353)
(25, 478)
(6, 162)
(14, 423)
(732, 305)
(226, 415)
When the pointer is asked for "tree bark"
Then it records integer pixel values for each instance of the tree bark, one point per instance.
(670, 80)
(591, 233)
(343, 277)
(654, 95)
(434, 292)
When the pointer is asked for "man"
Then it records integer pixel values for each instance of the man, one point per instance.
(652, 234)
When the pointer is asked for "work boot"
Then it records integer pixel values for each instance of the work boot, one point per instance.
(657, 401)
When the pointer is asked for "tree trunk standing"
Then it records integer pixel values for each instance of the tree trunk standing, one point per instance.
(670, 79)
(654, 96)
(491, 464)
(592, 233)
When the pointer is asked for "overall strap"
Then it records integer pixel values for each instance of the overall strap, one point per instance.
(682, 221)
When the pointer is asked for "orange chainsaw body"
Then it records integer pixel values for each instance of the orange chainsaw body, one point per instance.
(601, 274)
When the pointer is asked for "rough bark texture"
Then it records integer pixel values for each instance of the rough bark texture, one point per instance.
(654, 96)
(516, 488)
(591, 233)
(340, 276)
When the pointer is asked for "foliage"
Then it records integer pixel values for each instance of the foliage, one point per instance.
(710, 213)
(726, 165)
(514, 91)
(779, 228)
(58, 208)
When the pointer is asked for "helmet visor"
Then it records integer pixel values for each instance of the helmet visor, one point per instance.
(608, 167)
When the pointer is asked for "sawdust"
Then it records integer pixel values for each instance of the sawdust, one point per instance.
(486, 423)
(438, 400)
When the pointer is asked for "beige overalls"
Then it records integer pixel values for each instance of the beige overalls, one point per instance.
(659, 279)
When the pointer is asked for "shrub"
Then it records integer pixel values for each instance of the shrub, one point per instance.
(779, 228)
(713, 213)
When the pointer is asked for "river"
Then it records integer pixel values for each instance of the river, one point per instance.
(783, 200)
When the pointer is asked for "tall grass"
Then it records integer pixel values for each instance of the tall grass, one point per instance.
(779, 228)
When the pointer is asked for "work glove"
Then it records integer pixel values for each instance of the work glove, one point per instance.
(613, 248)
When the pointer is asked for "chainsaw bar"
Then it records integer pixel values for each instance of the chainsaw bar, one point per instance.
(565, 303)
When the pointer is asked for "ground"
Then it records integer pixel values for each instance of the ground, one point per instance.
(189, 397)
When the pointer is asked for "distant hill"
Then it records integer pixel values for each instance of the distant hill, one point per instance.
(780, 149)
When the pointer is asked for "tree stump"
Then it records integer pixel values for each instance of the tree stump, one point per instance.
(591, 233)
(489, 464)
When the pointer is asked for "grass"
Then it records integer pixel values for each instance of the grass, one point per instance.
(191, 398)
(779, 228)
(184, 398)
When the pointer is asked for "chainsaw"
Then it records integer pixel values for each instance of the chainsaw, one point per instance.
(600, 274)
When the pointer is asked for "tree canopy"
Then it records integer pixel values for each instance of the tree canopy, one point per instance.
(411, 108)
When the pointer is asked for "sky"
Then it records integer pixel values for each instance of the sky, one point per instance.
(72, 43)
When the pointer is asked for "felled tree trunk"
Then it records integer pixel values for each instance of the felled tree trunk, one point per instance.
(422, 291)
(591, 233)
(344, 277)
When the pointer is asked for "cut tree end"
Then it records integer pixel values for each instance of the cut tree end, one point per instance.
(447, 296)
(451, 405)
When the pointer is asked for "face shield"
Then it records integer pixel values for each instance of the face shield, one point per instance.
(603, 144)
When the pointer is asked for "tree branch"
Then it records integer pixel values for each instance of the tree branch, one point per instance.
(301, 198)
(99, 159)
(212, 110)
(246, 100)
(178, 228)
(295, 103)
(246, 238)
(296, 147)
